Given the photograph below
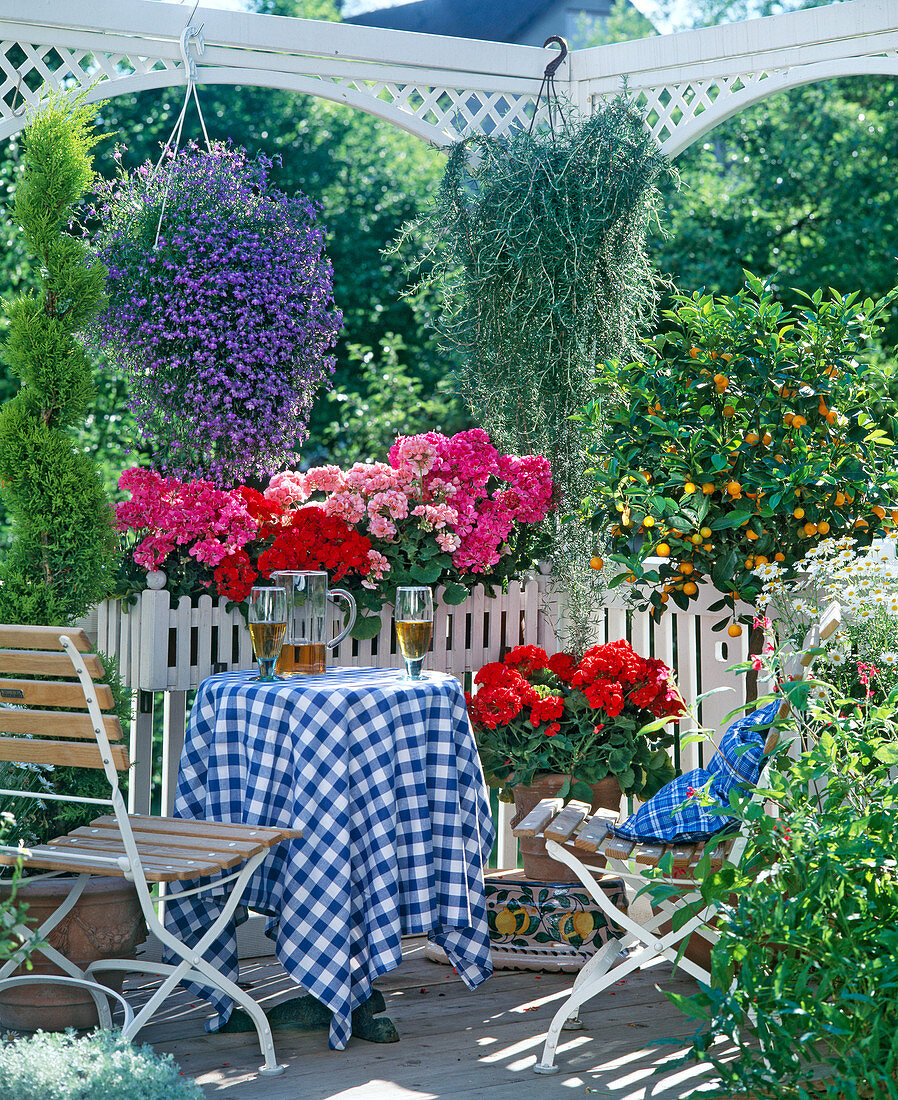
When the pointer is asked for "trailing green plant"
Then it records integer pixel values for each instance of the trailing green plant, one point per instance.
(537, 241)
(63, 551)
(805, 973)
(102, 1064)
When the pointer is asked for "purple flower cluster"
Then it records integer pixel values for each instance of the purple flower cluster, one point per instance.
(224, 326)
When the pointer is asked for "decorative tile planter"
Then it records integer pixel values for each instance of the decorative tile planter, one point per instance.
(543, 925)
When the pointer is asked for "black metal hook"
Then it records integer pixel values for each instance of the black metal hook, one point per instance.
(552, 67)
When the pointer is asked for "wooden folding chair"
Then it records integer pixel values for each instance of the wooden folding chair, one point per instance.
(573, 833)
(56, 681)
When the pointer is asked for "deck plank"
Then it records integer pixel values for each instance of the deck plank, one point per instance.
(454, 1043)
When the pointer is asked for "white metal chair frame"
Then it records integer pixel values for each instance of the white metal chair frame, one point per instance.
(644, 940)
(192, 965)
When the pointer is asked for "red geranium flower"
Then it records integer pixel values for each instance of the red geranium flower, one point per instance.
(235, 576)
(526, 658)
(315, 540)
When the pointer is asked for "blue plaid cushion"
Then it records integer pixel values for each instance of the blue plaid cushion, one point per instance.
(673, 817)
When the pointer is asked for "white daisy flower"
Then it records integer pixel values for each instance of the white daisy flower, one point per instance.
(888, 658)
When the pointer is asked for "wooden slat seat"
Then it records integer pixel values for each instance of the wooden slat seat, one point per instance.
(573, 826)
(166, 855)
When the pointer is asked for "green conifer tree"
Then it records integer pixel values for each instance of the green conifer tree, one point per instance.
(64, 548)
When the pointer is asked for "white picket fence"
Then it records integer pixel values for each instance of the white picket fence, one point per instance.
(168, 649)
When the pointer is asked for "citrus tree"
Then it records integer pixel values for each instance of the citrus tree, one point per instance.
(743, 437)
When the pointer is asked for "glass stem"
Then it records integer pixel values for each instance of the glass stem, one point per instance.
(266, 668)
(413, 667)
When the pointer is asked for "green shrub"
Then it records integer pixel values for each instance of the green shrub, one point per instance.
(64, 549)
(99, 1066)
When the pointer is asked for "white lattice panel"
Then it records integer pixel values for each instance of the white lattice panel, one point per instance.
(438, 88)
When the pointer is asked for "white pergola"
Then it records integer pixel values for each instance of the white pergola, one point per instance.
(435, 87)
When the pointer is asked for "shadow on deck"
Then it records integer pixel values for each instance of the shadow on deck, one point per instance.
(454, 1044)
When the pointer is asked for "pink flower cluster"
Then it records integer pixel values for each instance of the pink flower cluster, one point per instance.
(443, 483)
(168, 513)
(458, 470)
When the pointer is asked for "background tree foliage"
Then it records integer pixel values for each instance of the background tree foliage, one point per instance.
(799, 187)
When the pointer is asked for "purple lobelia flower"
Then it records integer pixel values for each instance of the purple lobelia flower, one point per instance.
(224, 325)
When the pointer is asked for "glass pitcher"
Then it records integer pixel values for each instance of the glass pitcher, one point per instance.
(305, 642)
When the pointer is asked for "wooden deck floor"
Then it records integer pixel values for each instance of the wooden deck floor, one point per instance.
(454, 1043)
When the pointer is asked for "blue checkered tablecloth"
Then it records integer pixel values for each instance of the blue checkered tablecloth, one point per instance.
(383, 776)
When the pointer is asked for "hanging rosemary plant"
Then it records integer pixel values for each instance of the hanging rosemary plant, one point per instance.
(538, 243)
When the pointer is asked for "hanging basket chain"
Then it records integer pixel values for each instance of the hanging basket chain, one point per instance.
(547, 86)
(191, 35)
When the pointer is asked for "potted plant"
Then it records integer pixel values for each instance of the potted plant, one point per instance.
(64, 549)
(555, 726)
(537, 241)
(741, 436)
(220, 310)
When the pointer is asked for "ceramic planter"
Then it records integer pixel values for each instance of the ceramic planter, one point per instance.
(538, 866)
(105, 923)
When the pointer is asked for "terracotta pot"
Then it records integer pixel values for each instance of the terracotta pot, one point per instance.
(538, 866)
(105, 923)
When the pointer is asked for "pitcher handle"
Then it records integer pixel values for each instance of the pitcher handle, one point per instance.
(333, 592)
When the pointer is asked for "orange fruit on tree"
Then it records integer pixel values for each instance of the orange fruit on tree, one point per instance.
(686, 567)
(705, 532)
(799, 421)
(726, 356)
(695, 539)
(823, 527)
(810, 529)
(689, 488)
(729, 411)
(708, 488)
(690, 588)
(761, 559)
(798, 513)
(749, 563)
(779, 556)
(662, 550)
(664, 597)
(734, 488)
(597, 563)
(861, 523)
(766, 439)
(878, 511)
(840, 499)
(649, 521)
(693, 353)
(751, 438)
(734, 630)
